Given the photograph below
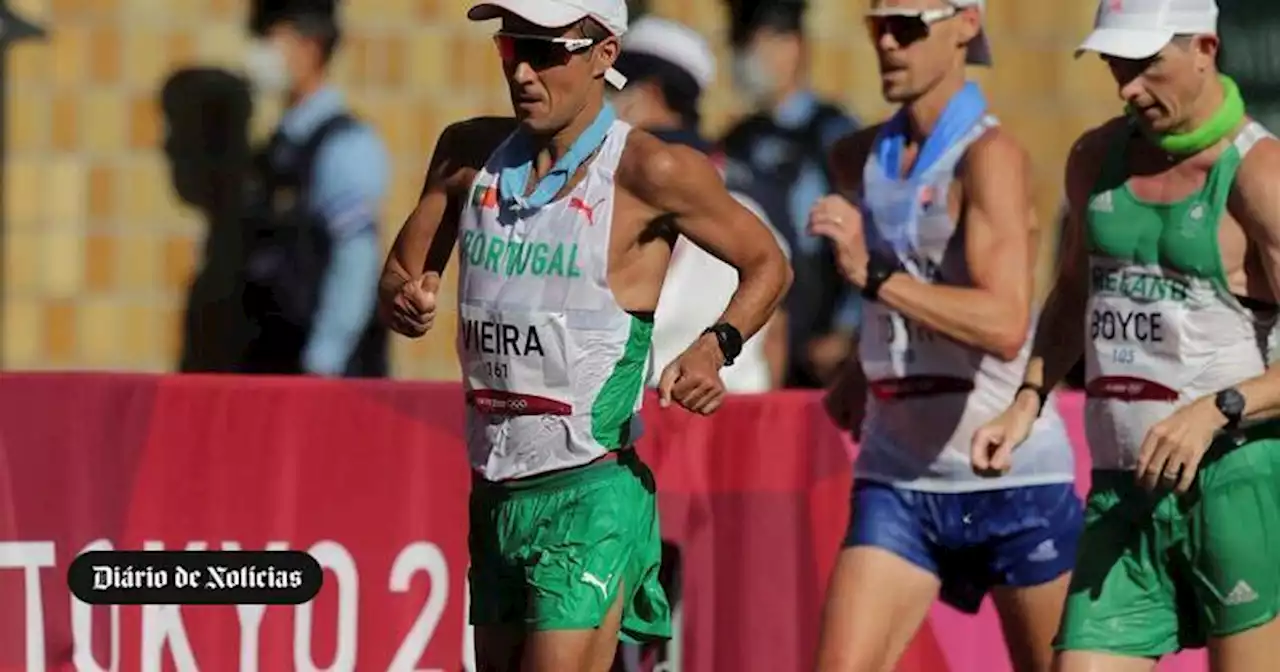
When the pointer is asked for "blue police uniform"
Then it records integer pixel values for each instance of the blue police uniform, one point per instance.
(341, 180)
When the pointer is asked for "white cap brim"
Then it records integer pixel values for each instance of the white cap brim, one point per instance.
(1131, 43)
(548, 14)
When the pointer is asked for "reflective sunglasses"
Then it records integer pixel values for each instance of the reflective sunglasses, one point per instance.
(905, 25)
(539, 51)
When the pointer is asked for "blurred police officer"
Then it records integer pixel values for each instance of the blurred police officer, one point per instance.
(313, 251)
(781, 150)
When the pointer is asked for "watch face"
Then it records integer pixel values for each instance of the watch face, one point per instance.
(1231, 402)
(730, 341)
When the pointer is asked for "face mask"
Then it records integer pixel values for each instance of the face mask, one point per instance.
(751, 78)
(266, 68)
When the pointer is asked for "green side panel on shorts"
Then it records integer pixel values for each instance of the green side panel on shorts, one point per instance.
(555, 556)
(1156, 573)
(614, 405)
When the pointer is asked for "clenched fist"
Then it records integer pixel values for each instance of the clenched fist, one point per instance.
(993, 444)
(412, 310)
(839, 221)
(693, 378)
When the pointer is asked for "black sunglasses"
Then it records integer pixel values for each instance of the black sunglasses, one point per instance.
(906, 26)
(539, 51)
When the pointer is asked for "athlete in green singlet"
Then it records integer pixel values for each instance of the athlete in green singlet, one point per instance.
(1173, 266)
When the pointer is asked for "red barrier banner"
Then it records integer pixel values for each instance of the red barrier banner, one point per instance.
(371, 479)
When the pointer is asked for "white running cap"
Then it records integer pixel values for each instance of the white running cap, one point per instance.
(612, 14)
(1137, 29)
(979, 51)
(674, 43)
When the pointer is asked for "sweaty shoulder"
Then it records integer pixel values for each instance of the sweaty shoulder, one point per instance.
(1087, 155)
(996, 156)
(997, 145)
(653, 170)
(849, 155)
(465, 146)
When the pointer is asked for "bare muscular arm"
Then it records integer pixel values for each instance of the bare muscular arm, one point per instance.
(1000, 241)
(683, 182)
(425, 242)
(1059, 341)
(1256, 204)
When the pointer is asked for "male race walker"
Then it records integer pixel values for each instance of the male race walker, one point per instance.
(942, 246)
(564, 219)
(1169, 290)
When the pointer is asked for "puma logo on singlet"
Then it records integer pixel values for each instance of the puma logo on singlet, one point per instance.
(587, 210)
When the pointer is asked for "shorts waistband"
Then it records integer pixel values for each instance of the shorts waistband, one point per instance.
(603, 467)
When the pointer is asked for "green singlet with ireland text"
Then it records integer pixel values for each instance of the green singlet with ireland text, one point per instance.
(1158, 572)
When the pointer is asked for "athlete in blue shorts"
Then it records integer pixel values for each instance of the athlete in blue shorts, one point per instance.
(941, 243)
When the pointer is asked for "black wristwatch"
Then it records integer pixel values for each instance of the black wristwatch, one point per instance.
(1044, 396)
(1231, 404)
(730, 340)
(879, 269)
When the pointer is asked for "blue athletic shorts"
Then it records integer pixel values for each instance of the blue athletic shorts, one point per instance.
(972, 541)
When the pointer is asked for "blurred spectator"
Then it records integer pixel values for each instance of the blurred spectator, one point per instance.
(313, 253)
(781, 151)
(1250, 54)
(207, 114)
(668, 66)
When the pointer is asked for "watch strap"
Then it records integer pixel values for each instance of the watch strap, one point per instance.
(1230, 404)
(729, 339)
(1040, 393)
(879, 270)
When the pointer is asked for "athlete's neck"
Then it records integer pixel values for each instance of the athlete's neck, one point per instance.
(1206, 105)
(551, 147)
(923, 112)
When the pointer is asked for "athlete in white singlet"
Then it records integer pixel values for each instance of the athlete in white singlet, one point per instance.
(941, 244)
(564, 219)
